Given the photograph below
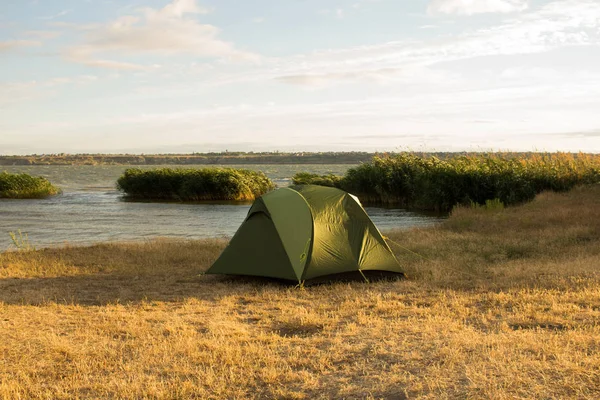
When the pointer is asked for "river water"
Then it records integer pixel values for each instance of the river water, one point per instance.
(91, 210)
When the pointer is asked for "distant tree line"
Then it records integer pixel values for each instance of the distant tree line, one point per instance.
(190, 159)
(229, 158)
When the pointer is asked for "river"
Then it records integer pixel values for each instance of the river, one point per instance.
(91, 210)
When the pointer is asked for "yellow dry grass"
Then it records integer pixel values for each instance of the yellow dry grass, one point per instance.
(504, 305)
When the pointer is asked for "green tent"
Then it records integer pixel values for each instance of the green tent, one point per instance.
(303, 232)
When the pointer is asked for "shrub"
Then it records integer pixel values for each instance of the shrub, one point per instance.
(24, 186)
(188, 184)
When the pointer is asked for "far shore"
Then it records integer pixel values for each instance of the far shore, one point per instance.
(224, 158)
(219, 158)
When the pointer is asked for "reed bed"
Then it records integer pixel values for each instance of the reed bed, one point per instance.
(24, 186)
(189, 184)
(307, 178)
(430, 183)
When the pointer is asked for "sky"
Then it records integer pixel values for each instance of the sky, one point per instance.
(180, 76)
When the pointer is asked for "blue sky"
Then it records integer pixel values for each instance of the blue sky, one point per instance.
(147, 76)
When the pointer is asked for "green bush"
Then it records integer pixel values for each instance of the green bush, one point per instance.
(188, 184)
(428, 183)
(24, 186)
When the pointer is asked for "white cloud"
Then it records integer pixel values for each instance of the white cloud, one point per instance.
(180, 7)
(72, 80)
(513, 118)
(371, 75)
(12, 93)
(42, 35)
(470, 7)
(11, 44)
(501, 86)
(57, 15)
(338, 13)
(157, 32)
(83, 55)
(558, 24)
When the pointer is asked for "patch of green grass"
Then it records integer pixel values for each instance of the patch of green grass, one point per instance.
(21, 241)
(24, 186)
(189, 184)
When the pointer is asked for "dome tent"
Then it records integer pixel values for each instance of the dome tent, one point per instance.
(304, 232)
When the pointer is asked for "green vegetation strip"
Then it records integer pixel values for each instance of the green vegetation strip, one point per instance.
(189, 184)
(429, 183)
(24, 186)
(190, 159)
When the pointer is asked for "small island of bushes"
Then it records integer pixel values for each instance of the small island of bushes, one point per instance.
(429, 183)
(190, 184)
(24, 186)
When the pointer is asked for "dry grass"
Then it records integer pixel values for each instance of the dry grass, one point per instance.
(505, 305)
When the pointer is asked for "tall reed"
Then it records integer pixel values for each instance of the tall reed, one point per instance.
(429, 183)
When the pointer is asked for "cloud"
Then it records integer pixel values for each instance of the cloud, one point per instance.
(584, 134)
(157, 32)
(42, 35)
(374, 75)
(339, 13)
(442, 119)
(57, 15)
(180, 7)
(12, 93)
(11, 44)
(426, 63)
(470, 7)
(82, 55)
(559, 24)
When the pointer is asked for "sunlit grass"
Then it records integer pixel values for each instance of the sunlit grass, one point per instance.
(498, 303)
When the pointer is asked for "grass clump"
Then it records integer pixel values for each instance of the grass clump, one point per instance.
(430, 183)
(24, 186)
(188, 184)
(21, 241)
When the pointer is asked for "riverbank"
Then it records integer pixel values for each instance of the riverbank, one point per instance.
(500, 303)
